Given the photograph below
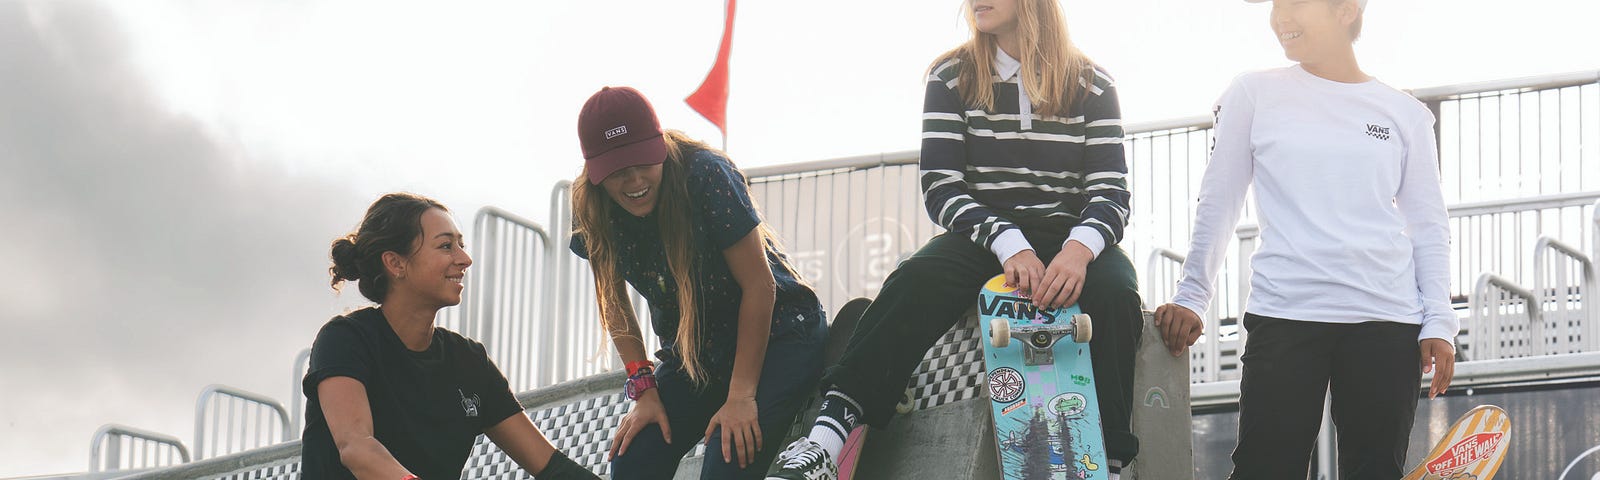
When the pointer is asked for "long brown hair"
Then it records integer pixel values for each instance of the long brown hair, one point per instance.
(1052, 66)
(592, 210)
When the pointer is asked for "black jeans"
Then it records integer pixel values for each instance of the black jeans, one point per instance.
(1289, 365)
(929, 292)
(788, 378)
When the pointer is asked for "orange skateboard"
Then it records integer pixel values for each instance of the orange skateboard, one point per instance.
(1471, 450)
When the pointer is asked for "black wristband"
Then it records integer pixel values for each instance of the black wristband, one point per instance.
(562, 468)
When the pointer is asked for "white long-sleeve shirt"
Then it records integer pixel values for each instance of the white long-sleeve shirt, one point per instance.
(1353, 224)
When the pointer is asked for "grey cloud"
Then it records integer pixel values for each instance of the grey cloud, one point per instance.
(142, 256)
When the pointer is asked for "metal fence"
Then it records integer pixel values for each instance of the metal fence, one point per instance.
(120, 447)
(507, 299)
(1565, 277)
(297, 398)
(581, 347)
(1518, 137)
(228, 420)
(1502, 321)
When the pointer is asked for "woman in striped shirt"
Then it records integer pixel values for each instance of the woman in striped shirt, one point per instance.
(1022, 164)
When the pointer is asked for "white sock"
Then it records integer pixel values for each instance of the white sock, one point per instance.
(838, 416)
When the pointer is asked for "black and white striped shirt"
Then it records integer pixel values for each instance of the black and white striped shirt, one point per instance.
(990, 174)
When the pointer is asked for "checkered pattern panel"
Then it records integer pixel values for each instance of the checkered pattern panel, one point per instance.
(488, 462)
(952, 370)
(285, 469)
(583, 429)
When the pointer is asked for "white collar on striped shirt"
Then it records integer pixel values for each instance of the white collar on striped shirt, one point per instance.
(1005, 66)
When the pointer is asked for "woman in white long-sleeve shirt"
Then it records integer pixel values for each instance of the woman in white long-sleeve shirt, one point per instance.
(1350, 285)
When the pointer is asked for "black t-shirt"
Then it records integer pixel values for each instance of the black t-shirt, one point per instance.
(722, 213)
(427, 407)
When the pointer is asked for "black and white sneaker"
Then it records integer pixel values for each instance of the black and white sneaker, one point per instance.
(805, 460)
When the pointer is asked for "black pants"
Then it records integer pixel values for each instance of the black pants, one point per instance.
(788, 375)
(929, 292)
(1289, 366)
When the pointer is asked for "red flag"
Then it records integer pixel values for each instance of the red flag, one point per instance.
(711, 99)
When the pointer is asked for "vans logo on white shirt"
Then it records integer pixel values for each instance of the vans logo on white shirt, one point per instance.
(1377, 131)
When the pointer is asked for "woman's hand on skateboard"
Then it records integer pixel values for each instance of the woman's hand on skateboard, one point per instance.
(1063, 279)
(1024, 271)
(646, 410)
(741, 429)
(1179, 327)
(1439, 357)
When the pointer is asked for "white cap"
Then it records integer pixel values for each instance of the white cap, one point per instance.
(1361, 3)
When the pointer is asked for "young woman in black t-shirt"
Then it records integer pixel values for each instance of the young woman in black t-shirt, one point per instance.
(389, 395)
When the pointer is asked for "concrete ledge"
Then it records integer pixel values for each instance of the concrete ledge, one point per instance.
(228, 465)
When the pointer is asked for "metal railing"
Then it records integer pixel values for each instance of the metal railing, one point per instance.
(228, 420)
(1504, 320)
(297, 397)
(845, 227)
(507, 305)
(584, 347)
(143, 449)
(1517, 137)
(1564, 279)
(1495, 236)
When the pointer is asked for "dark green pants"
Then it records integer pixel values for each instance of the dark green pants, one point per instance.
(929, 292)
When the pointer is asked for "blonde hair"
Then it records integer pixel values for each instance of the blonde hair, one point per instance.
(1052, 66)
(592, 210)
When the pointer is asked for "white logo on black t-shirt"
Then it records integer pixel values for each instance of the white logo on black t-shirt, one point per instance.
(469, 404)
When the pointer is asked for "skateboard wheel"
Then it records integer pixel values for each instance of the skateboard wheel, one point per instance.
(999, 333)
(1082, 330)
(904, 405)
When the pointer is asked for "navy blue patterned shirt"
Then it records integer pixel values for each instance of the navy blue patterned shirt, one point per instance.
(723, 214)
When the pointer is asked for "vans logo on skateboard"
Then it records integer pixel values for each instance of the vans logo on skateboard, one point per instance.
(1466, 452)
(1015, 308)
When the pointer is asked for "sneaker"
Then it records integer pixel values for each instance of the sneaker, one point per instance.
(805, 460)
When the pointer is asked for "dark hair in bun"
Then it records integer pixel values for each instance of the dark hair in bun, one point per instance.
(392, 224)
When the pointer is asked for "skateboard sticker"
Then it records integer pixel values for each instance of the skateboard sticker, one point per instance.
(1464, 453)
(1472, 449)
(1070, 404)
(1014, 407)
(1155, 396)
(1006, 384)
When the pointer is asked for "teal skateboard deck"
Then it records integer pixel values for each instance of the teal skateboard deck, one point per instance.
(1041, 388)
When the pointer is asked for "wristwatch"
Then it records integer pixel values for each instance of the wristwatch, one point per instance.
(639, 382)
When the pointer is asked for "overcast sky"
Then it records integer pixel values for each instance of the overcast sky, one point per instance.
(172, 173)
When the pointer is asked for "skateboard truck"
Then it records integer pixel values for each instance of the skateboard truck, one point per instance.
(1039, 340)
